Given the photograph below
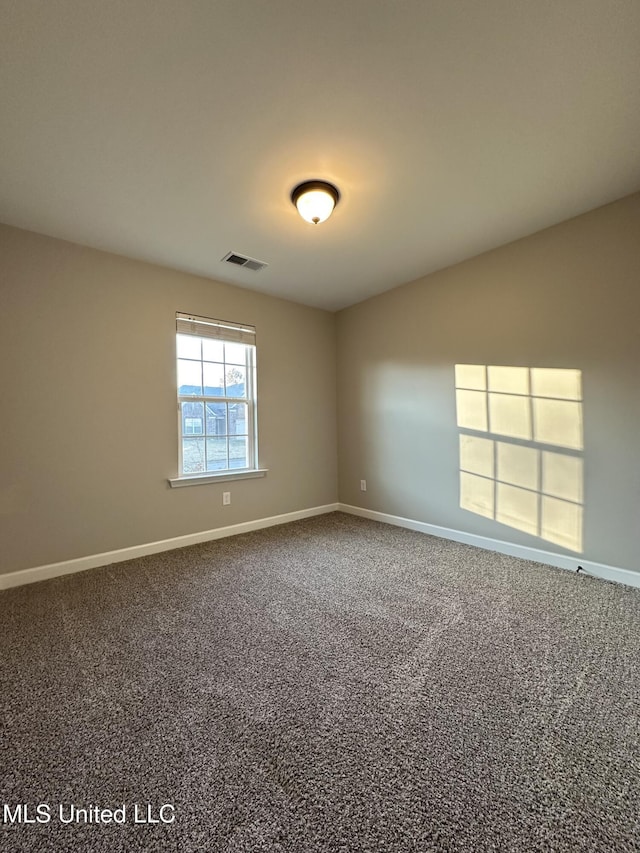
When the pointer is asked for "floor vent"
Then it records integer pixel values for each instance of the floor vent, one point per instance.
(243, 261)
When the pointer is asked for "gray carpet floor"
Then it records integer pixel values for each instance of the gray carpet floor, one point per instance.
(330, 685)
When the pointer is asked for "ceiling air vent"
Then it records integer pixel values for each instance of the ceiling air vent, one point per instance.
(244, 261)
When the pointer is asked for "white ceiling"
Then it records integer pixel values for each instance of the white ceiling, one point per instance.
(174, 130)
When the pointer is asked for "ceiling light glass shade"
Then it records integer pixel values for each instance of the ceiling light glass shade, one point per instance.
(315, 200)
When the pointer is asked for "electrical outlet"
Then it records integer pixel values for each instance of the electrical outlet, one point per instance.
(363, 485)
(226, 498)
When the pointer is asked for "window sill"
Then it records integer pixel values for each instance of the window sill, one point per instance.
(222, 477)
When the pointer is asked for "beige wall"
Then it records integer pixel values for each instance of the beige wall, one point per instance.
(567, 297)
(88, 391)
(89, 427)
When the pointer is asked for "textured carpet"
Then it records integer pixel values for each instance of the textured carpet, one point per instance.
(329, 685)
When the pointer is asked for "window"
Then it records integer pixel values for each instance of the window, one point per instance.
(216, 397)
(192, 426)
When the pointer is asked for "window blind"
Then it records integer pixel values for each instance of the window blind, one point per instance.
(221, 330)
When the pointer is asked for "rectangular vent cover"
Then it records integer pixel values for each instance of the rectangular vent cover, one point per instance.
(244, 261)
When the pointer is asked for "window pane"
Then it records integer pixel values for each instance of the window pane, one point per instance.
(213, 379)
(235, 377)
(189, 347)
(235, 353)
(216, 418)
(193, 455)
(212, 350)
(216, 454)
(238, 419)
(238, 457)
(192, 418)
(189, 377)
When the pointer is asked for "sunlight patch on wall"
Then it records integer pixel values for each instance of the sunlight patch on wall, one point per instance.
(513, 479)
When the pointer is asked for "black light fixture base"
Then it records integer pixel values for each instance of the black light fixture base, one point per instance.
(308, 186)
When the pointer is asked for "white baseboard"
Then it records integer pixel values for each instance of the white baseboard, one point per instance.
(81, 564)
(562, 561)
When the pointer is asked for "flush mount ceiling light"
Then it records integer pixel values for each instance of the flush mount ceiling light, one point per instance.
(315, 200)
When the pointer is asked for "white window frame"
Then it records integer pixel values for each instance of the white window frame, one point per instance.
(207, 328)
